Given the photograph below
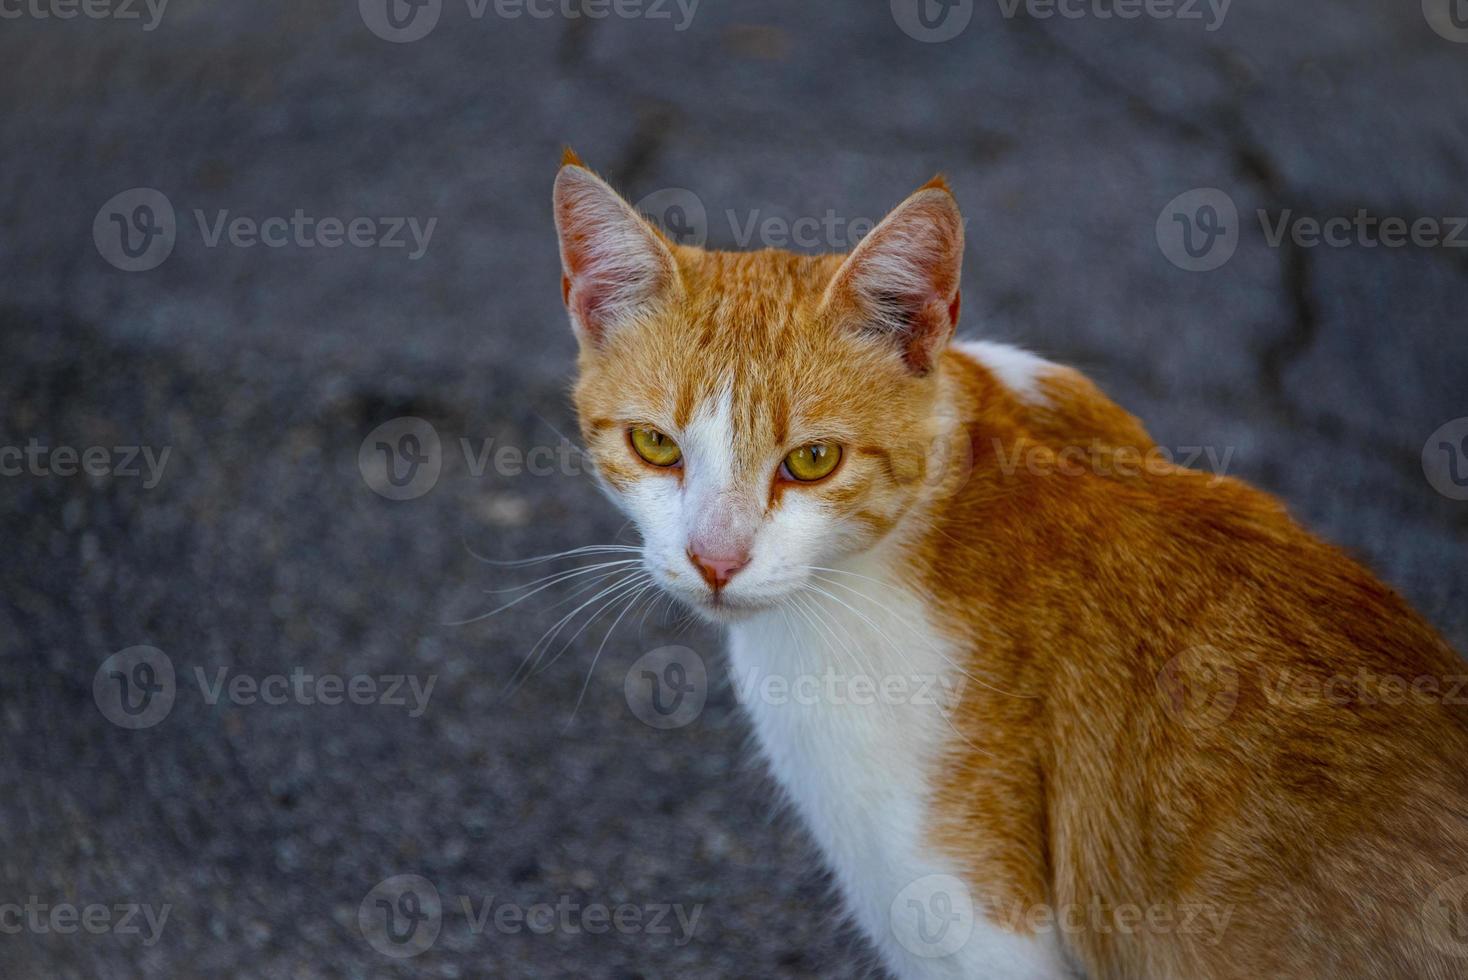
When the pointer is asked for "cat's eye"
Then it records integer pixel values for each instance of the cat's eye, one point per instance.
(810, 463)
(655, 447)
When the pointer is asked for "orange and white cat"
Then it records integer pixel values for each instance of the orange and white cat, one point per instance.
(812, 462)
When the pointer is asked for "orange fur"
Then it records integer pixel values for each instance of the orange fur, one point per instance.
(1323, 828)
(1094, 600)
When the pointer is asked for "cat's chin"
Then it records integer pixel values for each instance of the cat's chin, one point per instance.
(723, 610)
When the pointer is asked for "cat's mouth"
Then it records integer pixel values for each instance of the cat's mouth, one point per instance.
(727, 607)
(721, 606)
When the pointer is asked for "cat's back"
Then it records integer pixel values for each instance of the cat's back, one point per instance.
(1286, 738)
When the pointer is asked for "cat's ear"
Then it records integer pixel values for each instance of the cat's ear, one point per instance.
(614, 265)
(901, 280)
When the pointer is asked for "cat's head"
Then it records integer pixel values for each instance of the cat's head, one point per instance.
(757, 413)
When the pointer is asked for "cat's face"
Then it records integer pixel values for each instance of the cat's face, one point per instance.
(757, 415)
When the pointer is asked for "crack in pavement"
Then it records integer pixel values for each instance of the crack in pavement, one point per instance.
(1252, 163)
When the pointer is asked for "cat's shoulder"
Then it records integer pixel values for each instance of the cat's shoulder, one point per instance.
(1060, 405)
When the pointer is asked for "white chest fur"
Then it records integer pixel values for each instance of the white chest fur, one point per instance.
(849, 693)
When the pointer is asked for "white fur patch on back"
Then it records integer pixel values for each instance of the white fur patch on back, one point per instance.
(1017, 369)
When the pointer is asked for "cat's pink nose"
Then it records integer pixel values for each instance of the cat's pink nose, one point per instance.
(717, 571)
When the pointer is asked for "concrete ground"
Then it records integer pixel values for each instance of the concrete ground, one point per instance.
(258, 548)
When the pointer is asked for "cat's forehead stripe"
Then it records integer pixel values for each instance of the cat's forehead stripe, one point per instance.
(683, 406)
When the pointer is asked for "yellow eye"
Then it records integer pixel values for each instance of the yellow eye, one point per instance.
(812, 462)
(655, 447)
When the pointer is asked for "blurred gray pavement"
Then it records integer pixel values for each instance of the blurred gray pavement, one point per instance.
(1318, 372)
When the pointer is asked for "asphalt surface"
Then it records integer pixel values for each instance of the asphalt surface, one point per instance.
(262, 546)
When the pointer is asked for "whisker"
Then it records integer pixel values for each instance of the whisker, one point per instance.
(511, 603)
(830, 639)
(563, 574)
(927, 643)
(631, 586)
(531, 664)
(590, 549)
(920, 634)
(591, 671)
(942, 713)
(864, 662)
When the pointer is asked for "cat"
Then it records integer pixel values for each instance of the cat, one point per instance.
(1161, 741)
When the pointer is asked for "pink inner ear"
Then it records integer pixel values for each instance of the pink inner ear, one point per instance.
(903, 278)
(928, 330)
(612, 263)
